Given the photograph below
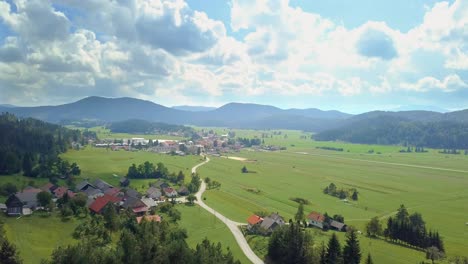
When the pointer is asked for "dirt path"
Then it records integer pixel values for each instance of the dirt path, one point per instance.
(233, 226)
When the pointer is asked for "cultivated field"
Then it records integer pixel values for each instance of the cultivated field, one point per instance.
(110, 165)
(430, 183)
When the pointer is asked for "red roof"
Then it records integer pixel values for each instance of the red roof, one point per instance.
(254, 219)
(60, 191)
(112, 191)
(315, 216)
(101, 202)
(149, 218)
(71, 194)
(141, 209)
(168, 190)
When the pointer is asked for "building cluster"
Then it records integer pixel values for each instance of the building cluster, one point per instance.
(99, 194)
(264, 225)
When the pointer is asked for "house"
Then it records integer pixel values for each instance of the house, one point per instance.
(102, 185)
(83, 186)
(150, 203)
(154, 193)
(101, 202)
(271, 222)
(183, 191)
(316, 219)
(93, 192)
(254, 220)
(113, 192)
(132, 193)
(134, 204)
(337, 226)
(160, 184)
(170, 192)
(60, 192)
(14, 206)
(29, 198)
(149, 218)
(124, 182)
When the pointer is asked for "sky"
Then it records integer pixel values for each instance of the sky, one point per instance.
(353, 56)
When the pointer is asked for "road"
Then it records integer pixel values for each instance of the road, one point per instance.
(233, 226)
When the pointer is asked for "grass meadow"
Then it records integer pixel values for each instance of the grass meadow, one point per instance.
(431, 183)
(200, 225)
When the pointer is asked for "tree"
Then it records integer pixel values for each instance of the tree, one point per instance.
(290, 244)
(300, 213)
(111, 218)
(369, 259)
(244, 169)
(433, 253)
(44, 198)
(352, 251)
(75, 169)
(8, 252)
(374, 227)
(334, 251)
(354, 196)
(27, 164)
(132, 171)
(191, 199)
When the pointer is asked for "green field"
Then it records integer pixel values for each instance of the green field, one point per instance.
(431, 183)
(36, 237)
(104, 133)
(200, 224)
(110, 165)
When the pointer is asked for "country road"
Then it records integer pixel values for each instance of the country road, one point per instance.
(233, 226)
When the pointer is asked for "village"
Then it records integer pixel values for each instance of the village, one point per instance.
(208, 142)
(97, 195)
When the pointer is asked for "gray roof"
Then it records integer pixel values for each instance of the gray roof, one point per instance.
(91, 191)
(132, 193)
(276, 217)
(82, 185)
(268, 223)
(29, 199)
(132, 202)
(102, 185)
(337, 224)
(153, 193)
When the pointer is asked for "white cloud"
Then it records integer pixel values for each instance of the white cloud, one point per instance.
(149, 49)
(450, 83)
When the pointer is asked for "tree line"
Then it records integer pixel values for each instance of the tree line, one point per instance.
(411, 229)
(292, 244)
(388, 130)
(136, 126)
(341, 193)
(32, 147)
(147, 242)
(147, 170)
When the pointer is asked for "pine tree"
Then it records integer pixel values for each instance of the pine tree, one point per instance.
(352, 251)
(300, 213)
(333, 251)
(369, 259)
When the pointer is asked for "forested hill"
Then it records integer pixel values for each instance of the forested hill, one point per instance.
(136, 126)
(27, 144)
(394, 130)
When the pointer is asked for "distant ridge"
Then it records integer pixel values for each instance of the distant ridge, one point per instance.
(193, 108)
(235, 115)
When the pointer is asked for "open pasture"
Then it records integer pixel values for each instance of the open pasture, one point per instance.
(416, 180)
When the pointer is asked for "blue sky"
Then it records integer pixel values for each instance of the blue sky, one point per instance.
(353, 56)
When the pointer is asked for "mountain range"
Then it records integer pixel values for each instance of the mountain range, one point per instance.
(234, 115)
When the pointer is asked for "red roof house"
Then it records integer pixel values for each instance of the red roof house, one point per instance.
(316, 219)
(101, 202)
(254, 219)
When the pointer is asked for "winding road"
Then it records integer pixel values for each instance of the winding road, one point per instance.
(233, 226)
